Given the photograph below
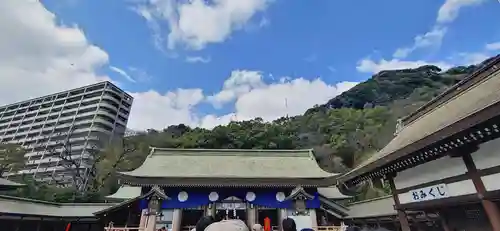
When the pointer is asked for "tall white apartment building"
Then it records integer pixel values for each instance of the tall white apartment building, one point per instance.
(85, 119)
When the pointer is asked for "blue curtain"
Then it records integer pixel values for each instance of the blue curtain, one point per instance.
(200, 197)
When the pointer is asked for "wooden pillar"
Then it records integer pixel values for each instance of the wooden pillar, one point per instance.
(176, 220)
(19, 223)
(282, 214)
(128, 216)
(39, 224)
(251, 215)
(150, 223)
(152, 213)
(403, 219)
(444, 221)
(142, 222)
(210, 210)
(490, 208)
(314, 221)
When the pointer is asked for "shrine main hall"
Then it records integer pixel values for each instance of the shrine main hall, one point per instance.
(174, 188)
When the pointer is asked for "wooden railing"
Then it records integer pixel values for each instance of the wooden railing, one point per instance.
(123, 229)
(187, 228)
(327, 228)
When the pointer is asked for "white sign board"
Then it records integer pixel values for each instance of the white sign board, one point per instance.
(233, 205)
(429, 193)
(302, 222)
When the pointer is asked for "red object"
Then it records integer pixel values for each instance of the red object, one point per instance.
(267, 224)
(68, 227)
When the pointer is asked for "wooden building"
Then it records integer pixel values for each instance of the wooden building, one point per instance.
(445, 157)
(176, 187)
(23, 214)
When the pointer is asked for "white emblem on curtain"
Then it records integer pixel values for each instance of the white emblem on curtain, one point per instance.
(280, 196)
(183, 196)
(250, 196)
(213, 196)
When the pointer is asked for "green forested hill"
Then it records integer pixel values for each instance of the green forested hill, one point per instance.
(344, 131)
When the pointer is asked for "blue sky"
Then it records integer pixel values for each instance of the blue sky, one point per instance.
(205, 63)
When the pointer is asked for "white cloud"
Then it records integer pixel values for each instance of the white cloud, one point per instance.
(450, 9)
(291, 97)
(255, 98)
(153, 110)
(429, 39)
(38, 56)
(447, 13)
(473, 58)
(370, 66)
(197, 23)
(238, 83)
(62, 58)
(197, 59)
(122, 73)
(493, 46)
(251, 96)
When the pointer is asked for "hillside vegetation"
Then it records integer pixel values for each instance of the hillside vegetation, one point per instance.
(344, 131)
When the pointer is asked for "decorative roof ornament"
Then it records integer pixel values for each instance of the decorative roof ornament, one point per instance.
(298, 193)
(399, 127)
(154, 197)
(299, 197)
(157, 193)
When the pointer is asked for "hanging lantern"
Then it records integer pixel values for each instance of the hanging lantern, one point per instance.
(153, 205)
(300, 206)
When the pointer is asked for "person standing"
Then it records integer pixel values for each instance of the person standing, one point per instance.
(267, 224)
(257, 227)
(288, 224)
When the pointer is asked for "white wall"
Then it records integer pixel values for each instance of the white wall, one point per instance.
(435, 170)
(488, 156)
(460, 188)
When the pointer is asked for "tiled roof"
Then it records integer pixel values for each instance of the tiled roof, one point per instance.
(229, 163)
(23, 206)
(125, 192)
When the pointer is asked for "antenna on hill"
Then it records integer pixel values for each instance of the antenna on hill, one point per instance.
(286, 107)
(233, 117)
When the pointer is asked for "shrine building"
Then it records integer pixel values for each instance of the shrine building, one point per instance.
(24, 214)
(174, 188)
(444, 160)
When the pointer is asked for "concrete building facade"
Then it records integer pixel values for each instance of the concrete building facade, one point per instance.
(74, 121)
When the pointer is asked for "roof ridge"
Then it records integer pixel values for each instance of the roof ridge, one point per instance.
(451, 91)
(458, 93)
(229, 152)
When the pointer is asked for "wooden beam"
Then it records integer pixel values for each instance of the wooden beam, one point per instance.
(490, 208)
(444, 221)
(403, 219)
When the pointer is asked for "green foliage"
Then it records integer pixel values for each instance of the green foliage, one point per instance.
(11, 157)
(387, 86)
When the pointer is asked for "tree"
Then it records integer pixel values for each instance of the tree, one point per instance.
(91, 169)
(11, 158)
